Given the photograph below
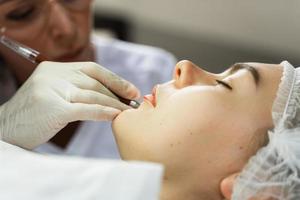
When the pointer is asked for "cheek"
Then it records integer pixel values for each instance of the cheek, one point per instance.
(188, 121)
(202, 121)
(198, 111)
(84, 22)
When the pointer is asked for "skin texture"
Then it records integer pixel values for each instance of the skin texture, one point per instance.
(199, 129)
(58, 33)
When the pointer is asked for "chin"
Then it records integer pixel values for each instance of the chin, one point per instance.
(120, 122)
(121, 128)
(132, 142)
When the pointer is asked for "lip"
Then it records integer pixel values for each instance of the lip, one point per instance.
(151, 98)
(70, 56)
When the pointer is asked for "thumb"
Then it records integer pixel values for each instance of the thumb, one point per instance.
(226, 185)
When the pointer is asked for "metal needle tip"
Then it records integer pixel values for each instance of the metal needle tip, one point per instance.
(134, 104)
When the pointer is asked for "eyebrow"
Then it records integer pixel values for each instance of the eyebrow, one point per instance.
(239, 66)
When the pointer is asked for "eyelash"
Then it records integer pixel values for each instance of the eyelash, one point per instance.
(23, 14)
(28, 12)
(224, 84)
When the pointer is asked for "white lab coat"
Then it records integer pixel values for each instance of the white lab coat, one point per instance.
(142, 65)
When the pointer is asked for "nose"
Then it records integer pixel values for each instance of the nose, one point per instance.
(61, 26)
(187, 73)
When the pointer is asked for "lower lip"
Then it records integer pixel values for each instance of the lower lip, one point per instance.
(150, 99)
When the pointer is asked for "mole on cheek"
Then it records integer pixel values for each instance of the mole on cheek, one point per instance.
(190, 132)
(161, 122)
(173, 145)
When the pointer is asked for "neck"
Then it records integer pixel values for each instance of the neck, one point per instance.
(188, 188)
(172, 192)
(178, 190)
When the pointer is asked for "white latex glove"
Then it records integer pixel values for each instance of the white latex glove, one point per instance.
(59, 93)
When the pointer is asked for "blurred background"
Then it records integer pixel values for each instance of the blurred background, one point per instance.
(212, 33)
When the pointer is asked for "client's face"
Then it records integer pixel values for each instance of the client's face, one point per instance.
(200, 125)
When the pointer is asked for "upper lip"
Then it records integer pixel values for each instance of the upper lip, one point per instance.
(152, 97)
(154, 90)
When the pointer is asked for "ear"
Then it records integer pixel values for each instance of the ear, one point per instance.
(226, 185)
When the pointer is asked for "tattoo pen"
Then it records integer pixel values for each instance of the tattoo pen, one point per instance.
(36, 58)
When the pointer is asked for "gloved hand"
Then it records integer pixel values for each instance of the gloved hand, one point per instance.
(59, 93)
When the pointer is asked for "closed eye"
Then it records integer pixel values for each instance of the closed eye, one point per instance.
(21, 14)
(224, 84)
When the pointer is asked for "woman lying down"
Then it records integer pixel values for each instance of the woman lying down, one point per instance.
(204, 127)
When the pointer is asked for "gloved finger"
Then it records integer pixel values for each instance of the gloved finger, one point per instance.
(94, 112)
(89, 83)
(92, 97)
(112, 81)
